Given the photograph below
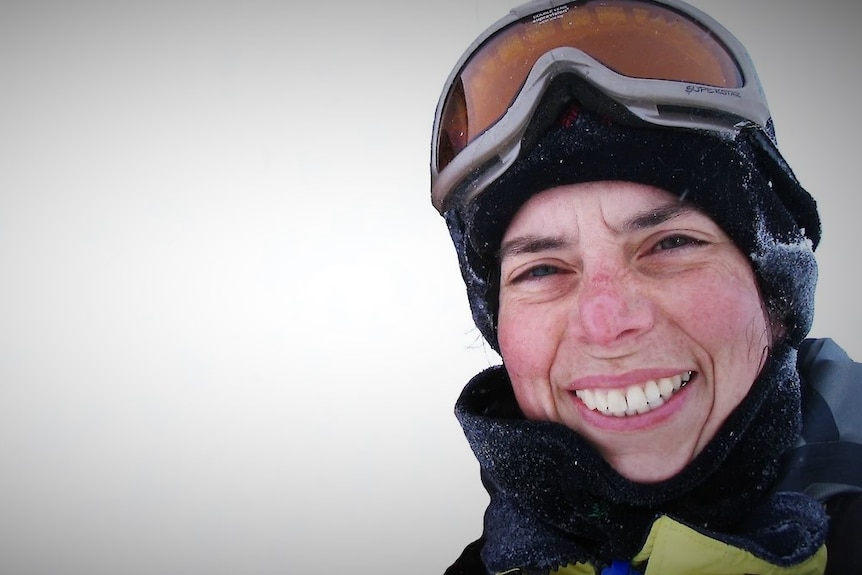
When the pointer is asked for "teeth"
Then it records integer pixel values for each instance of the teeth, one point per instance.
(634, 400)
(601, 400)
(616, 402)
(665, 387)
(652, 392)
(588, 397)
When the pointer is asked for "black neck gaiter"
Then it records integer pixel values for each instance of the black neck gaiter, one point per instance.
(556, 501)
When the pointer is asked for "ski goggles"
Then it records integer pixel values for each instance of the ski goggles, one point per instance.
(662, 62)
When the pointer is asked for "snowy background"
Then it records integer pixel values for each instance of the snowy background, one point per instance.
(231, 324)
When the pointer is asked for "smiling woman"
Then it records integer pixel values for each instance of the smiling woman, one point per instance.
(641, 255)
(625, 306)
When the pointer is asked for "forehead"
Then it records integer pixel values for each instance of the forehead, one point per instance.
(615, 204)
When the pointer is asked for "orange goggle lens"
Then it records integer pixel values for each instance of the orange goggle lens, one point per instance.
(638, 39)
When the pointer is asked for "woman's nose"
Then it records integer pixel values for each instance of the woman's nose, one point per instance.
(611, 309)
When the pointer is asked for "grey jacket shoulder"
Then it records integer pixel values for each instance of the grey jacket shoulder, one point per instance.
(827, 459)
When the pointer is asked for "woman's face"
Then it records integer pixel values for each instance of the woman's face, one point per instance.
(631, 318)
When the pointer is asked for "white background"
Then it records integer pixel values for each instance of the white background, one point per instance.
(231, 324)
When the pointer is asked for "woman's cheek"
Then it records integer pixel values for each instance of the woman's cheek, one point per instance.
(526, 345)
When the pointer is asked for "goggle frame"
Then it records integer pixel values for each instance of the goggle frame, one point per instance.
(669, 103)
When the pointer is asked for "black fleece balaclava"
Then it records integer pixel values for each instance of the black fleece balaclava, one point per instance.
(555, 501)
(744, 185)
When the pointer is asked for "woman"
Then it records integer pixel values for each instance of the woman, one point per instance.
(640, 254)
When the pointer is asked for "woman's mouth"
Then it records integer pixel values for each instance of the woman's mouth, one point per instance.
(635, 399)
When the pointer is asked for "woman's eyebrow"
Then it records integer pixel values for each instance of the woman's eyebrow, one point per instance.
(530, 245)
(656, 216)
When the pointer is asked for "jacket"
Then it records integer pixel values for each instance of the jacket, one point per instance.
(825, 464)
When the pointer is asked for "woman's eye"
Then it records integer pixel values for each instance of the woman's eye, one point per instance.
(542, 271)
(673, 242)
(539, 271)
